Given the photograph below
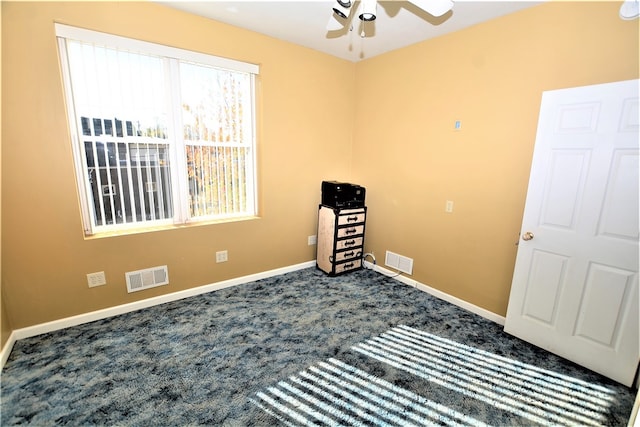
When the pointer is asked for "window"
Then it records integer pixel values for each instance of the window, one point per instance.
(160, 135)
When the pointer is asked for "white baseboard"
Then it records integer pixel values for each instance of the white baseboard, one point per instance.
(634, 419)
(6, 349)
(55, 325)
(438, 294)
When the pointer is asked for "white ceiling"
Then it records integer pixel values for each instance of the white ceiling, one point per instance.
(304, 22)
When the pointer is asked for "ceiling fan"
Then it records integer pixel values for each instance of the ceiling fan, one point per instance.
(630, 9)
(341, 17)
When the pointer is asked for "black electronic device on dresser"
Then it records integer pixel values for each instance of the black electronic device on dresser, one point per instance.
(342, 194)
(341, 221)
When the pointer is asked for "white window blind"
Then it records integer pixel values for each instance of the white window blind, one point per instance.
(160, 135)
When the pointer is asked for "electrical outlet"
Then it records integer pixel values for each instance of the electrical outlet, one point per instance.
(222, 256)
(96, 279)
(448, 208)
(312, 240)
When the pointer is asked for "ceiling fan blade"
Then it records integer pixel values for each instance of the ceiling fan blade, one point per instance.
(335, 23)
(433, 7)
(630, 9)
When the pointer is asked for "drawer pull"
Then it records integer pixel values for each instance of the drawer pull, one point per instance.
(350, 243)
(352, 218)
(349, 254)
(351, 231)
(348, 265)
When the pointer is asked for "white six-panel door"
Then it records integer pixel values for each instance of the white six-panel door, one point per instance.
(575, 284)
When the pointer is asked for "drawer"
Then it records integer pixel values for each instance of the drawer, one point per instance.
(355, 230)
(354, 218)
(349, 265)
(350, 253)
(348, 243)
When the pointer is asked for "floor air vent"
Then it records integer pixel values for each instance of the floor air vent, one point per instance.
(148, 278)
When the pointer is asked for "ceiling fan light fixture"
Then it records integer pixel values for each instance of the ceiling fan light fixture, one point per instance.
(343, 3)
(368, 10)
(342, 11)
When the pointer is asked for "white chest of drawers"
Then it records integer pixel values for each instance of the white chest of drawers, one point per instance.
(340, 239)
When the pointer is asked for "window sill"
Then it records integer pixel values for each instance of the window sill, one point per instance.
(154, 229)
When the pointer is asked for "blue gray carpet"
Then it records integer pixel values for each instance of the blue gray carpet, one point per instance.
(301, 349)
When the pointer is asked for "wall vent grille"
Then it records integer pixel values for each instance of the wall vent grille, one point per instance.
(147, 278)
(399, 262)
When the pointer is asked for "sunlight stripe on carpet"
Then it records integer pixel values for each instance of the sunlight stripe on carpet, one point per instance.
(499, 381)
(335, 393)
(556, 380)
(448, 366)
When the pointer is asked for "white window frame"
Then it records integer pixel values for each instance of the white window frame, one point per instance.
(171, 57)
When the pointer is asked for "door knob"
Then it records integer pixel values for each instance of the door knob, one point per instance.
(527, 236)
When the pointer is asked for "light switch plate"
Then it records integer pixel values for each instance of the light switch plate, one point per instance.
(449, 206)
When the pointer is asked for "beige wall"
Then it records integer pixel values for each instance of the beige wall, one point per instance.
(45, 257)
(5, 325)
(490, 77)
(401, 146)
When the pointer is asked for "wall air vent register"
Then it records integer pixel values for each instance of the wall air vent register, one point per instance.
(147, 278)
